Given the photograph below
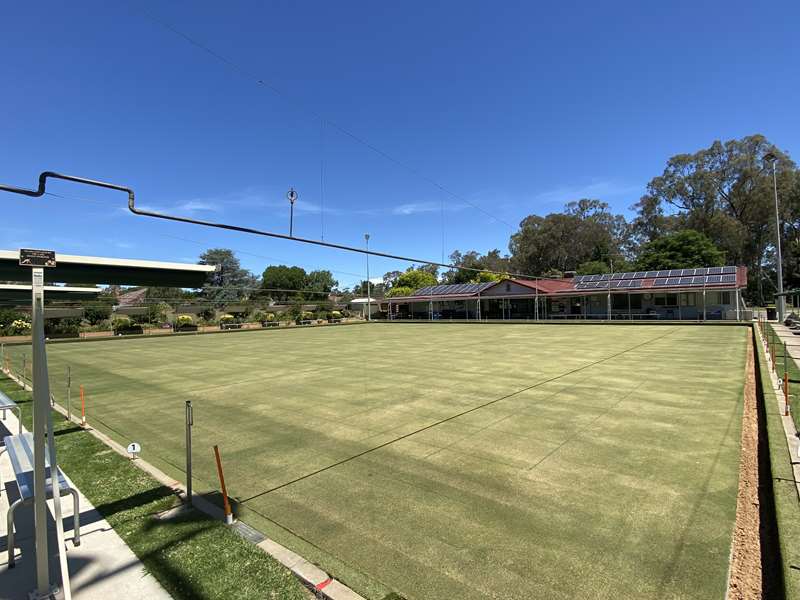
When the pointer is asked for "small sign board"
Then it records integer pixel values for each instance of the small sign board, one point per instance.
(133, 449)
(37, 258)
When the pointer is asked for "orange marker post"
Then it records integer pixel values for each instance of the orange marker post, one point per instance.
(83, 407)
(226, 503)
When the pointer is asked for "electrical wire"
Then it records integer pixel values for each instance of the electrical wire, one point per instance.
(295, 104)
(40, 191)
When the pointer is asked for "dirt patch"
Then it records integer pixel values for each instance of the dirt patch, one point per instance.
(745, 576)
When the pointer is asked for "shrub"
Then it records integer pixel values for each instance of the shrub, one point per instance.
(207, 315)
(9, 315)
(335, 314)
(122, 323)
(307, 316)
(226, 318)
(20, 327)
(270, 317)
(184, 320)
(62, 326)
(97, 313)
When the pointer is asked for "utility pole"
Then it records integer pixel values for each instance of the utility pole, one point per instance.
(369, 300)
(610, 275)
(291, 195)
(781, 300)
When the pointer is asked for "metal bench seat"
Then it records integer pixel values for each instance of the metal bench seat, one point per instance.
(20, 451)
(7, 403)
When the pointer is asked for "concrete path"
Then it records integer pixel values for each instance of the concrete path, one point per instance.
(102, 567)
(792, 341)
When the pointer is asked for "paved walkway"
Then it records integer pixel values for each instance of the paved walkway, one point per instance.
(102, 567)
(792, 341)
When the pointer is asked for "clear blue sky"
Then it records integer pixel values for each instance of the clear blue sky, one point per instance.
(517, 107)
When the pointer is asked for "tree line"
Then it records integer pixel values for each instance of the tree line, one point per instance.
(712, 207)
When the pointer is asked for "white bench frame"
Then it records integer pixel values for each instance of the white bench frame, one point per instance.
(7, 403)
(20, 451)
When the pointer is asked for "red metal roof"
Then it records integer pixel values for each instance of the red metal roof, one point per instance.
(562, 287)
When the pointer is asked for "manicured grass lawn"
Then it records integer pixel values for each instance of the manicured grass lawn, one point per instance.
(446, 461)
(191, 555)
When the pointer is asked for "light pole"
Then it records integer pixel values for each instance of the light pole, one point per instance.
(608, 299)
(369, 300)
(291, 195)
(773, 160)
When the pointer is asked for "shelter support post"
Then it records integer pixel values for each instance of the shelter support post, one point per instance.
(41, 401)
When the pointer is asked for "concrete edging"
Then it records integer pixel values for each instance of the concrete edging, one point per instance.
(789, 429)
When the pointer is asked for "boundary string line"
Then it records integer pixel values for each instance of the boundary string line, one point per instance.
(455, 416)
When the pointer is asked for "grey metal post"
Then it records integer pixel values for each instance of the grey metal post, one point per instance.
(291, 195)
(736, 291)
(69, 393)
(41, 401)
(704, 300)
(369, 300)
(781, 299)
(189, 423)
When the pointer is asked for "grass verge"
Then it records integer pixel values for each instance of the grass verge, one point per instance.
(191, 555)
(787, 506)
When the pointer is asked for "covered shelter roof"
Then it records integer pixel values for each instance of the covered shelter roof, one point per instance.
(21, 293)
(113, 271)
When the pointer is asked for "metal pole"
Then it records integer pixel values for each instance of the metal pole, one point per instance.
(291, 195)
(189, 423)
(41, 401)
(369, 300)
(608, 299)
(781, 299)
(704, 301)
(736, 291)
(69, 393)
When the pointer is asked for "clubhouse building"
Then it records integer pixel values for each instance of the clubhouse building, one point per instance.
(711, 293)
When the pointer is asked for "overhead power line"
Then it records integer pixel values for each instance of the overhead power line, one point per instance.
(45, 175)
(293, 102)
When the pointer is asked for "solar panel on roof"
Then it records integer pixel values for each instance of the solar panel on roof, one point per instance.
(674, 281)
(640, 275)
(729, 278)
(660, 282)
(663, 273)
(675, 272)
(727, 270)
(715, 271)
(649, 274)
(699, 280)
(636, 283)
(703, 271)
(628, 275)
(686, 272)
(714, 279)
